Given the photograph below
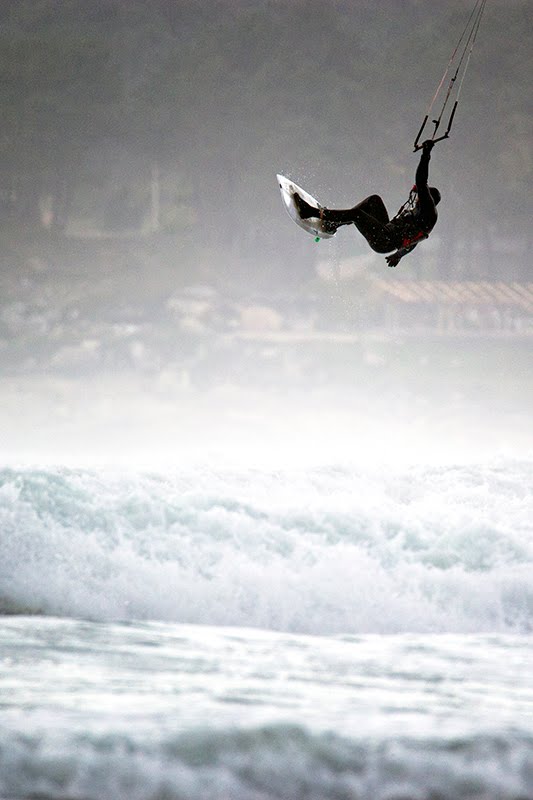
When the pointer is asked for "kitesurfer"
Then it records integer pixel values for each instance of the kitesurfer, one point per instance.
(413, 223)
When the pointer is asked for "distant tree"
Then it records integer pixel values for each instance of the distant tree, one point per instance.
(59, 94)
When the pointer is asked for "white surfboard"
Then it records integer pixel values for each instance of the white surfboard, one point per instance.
(313, 225)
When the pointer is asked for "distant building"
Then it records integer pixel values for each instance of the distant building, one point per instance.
(457, 306)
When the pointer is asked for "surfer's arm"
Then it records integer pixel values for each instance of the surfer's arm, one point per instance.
(394, 259)
(427, 206)
(422, 171)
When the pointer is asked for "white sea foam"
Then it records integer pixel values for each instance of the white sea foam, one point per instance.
(322, 551)
(151, 710)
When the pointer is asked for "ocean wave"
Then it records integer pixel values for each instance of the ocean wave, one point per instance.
(277, 762)
(329, 550)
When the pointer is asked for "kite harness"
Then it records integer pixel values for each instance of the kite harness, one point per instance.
(457, 67)
(408, 208)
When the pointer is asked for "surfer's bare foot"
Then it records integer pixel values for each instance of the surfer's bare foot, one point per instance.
(304, 209)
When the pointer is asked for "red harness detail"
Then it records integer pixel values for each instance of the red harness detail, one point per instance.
(414, 239)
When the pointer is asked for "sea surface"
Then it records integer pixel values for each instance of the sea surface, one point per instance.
(345, 632)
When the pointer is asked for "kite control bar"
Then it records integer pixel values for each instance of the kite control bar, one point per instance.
(436, 123)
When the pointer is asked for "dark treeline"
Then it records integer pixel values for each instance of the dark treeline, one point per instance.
(172, 117)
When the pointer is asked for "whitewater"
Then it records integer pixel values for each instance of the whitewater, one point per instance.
(322, 551)
(353, 631)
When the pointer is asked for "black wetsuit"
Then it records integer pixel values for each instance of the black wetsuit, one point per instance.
(403, 232)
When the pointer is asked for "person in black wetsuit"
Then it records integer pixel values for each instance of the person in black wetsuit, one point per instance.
(370, 217)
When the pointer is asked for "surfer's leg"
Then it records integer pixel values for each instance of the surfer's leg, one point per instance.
(372, 206)
(370, 217)
(375, 232)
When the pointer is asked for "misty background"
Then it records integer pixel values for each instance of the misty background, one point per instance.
(155, 298)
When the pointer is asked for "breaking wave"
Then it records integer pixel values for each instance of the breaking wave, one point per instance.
(326, 550)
